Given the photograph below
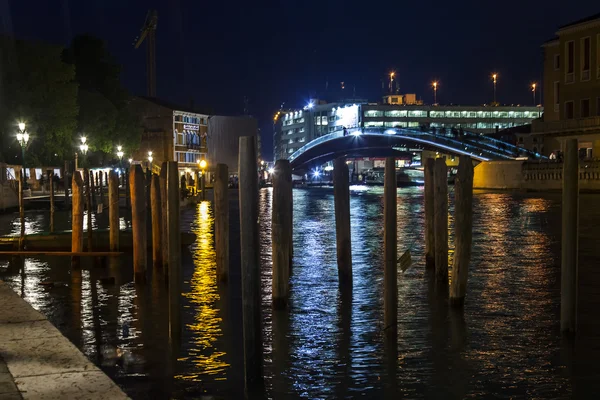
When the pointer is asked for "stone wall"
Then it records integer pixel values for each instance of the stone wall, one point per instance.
(532, 176)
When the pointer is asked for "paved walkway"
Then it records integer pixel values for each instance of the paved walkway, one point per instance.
(38, 362)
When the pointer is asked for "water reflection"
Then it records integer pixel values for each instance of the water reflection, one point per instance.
(330, 343)
(203, 296)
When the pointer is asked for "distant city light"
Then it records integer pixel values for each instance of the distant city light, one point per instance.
(316, 173)
(390, 132)
(271, 170)
(310, 105)
(328, 168)
(356, 133)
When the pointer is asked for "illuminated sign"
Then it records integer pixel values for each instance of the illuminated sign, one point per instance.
(191, 127)
(347, 116)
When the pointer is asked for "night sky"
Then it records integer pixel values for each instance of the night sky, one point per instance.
(218, 52)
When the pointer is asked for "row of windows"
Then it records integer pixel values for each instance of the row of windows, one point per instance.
(297, 130)
(187, 157)
(293, 121)
(293, 115)
(452, 114)
(191, 120)
(190, 138)
(297, 140)
(585, 56)
(403, 124)
(584, 109)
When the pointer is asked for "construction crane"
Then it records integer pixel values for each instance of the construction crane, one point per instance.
(148, 32)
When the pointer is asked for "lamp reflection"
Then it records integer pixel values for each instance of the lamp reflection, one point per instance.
(206, 327)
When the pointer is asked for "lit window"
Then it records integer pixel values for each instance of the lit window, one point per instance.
(436, 114)
(413, 124)
(373, 123)
(417, 114)
(373, 113)
(452, 114)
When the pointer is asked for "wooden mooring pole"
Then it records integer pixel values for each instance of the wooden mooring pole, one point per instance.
(174, 250)
(463, 228)
(429, 212)
(250, 264)
(89, 180)
(92, 189)
(281, 232)
(157, 233)
(440, 199)
(341, 194)
(203, 185)
(22, 177)
(221, 200)
(77, 217)
(164, 213)
(390, 250)
(66, 183)
(113, 210)
(51, 183)
(138, 222)
(570, 238)
(100, 188)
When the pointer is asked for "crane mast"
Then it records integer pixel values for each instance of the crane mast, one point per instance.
(148, 33)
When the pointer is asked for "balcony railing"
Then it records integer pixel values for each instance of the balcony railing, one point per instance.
(567, 126)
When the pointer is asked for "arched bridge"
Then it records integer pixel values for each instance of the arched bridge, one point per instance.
(373, 142)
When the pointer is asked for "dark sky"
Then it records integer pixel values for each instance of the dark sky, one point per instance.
(218, 52)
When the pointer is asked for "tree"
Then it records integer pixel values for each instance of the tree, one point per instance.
(103, 116)
(37, 88)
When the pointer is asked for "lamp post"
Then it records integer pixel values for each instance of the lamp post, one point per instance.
(120, 155)
(392, 74)
(435, 85)
(494, 79)
(150, 158)
(23, 139)
(83, 147)
(533, 87)
(203, 165)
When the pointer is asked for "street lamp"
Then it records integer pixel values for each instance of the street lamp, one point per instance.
(83, 147)
(23, 139)
(392, 74)
(494, 79)
(150, 158)
(130, 160)
(120, 155)
(435, 84)
(533, 87)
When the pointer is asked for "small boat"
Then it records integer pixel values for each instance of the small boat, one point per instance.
(62, 241)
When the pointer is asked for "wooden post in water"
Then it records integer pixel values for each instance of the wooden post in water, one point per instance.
(197, 184)
(138, 222)
(281, 232)
(440, 215)
(429, 207)
(463, 227)
(92, 189)
(77, 217)
(127, 189)
(570, 238)
(148, 203)
(221, 200)
(165, 223)
(174, 250)
(89, 180)
(250, 264)
(100, 179)
(390, 249)
(51, 183)
(113, 210)
(66, 183)
(341, 194)
(22, 177)
(156, 203)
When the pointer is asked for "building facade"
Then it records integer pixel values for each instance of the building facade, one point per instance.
(171, 133)
(572, 90)
(294, 128)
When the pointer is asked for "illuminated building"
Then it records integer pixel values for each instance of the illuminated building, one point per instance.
(171, 132)
(295, 128)
(572, 90)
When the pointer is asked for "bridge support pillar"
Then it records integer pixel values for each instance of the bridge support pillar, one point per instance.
(440, 199)
(250, 264)
(390, 234)
(570, 238)
(463, 227)
(281, 230)
(429, 207)
(341, 194)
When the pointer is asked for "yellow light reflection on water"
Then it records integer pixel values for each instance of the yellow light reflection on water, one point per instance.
(204, 295)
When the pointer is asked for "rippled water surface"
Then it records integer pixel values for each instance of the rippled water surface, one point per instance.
(329, 344)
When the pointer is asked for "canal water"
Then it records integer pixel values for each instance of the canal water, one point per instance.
(330, 344)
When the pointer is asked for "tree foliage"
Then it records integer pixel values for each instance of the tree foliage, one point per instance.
(37, 88)
(103, 118)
